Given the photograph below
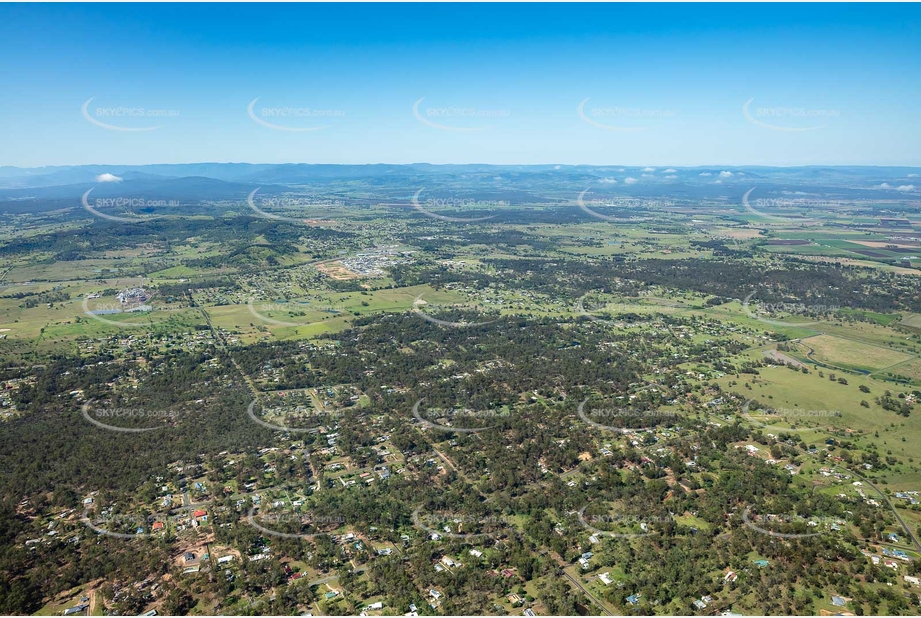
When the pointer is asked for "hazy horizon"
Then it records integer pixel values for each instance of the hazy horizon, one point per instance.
(467, 163)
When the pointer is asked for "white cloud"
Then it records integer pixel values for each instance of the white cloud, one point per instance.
(557, 167)
(905, 188)
(706, 174)
(107, 177)
(725, 174)
(912, 175)
(669, 171)
(609, 181)
(630, 181)
(648, 176)
(649, 169)
(885, 185)
(671, 177)
(717, 182)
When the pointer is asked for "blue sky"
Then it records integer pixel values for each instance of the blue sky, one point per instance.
(500, 83)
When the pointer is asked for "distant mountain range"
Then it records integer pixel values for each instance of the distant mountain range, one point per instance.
(48, 188)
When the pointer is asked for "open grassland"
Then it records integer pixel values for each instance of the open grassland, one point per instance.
(159, 321)
(910, 370)
(884, 319)
(69, 271)
(68, 319)
(745, 316)
(872, 333)
(325, 313)
(912, 320)
(842, 415)
(850, 354)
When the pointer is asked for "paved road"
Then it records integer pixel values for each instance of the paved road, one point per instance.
(882, 494)
(895, 511)
(575, 582)
(223, 347)
(592, 597)
(562, 564)
(187, 502)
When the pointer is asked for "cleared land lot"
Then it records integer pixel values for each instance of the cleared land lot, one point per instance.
(850, 354)
(911, 369)
(780, 387)
(912, 319)
(331, 312)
